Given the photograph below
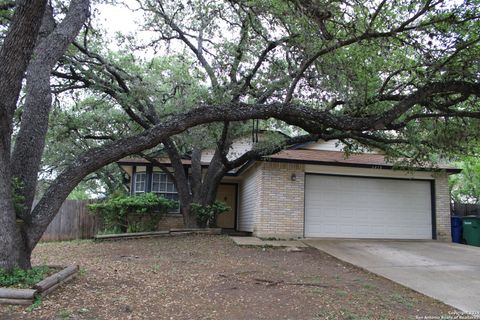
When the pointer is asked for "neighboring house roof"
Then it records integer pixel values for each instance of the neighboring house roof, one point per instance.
(338, 158)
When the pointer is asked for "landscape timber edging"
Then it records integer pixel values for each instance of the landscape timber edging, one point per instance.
(171, 232)
(42, 288)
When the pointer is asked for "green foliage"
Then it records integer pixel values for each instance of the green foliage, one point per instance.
(20, 278)
(6, 12)
(443, 49)
(465, 186)
(206, 214)
(132, 213)
(69, 126)
(78, 193)
(38, 301)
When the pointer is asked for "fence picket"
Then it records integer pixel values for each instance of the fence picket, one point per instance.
(465, 209)
(72, 222)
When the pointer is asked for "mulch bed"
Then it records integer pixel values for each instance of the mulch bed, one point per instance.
(208, 277)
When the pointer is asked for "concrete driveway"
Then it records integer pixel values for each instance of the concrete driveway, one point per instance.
(445, 271)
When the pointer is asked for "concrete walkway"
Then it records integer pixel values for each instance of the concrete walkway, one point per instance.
(445, 271)
(253, 241)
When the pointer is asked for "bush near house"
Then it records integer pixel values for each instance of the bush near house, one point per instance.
(135, 213)
(206, 214)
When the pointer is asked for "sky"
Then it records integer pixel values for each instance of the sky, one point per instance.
(117, 18)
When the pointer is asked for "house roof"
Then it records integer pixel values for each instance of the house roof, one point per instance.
(140, 161)
(338, 158)
(309, 156)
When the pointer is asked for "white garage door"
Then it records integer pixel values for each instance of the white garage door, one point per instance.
(355, 207)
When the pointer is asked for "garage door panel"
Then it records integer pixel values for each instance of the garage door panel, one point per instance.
(358, 207)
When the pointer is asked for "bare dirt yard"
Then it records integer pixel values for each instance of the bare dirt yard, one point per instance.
(209, 277)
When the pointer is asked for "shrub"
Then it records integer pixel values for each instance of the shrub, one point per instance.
(24, 278)
(206, 215)
(132, 213)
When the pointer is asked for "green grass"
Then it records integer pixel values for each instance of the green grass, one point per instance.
(341, 293)
(156, 268)
(369, 286)
(325, 315)
(64, 314)
(36, 304)
(314, 279)
(19, 278)
(406, 301)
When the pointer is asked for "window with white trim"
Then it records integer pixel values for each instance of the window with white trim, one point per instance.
(140, 182)
(163, 185)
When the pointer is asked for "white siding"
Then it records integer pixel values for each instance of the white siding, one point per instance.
(238, 148)
(249, 199)
(207, 155)
(332, 145)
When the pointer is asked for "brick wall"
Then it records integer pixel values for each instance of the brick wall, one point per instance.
(171, 221)
(442, 204)
(281, 201)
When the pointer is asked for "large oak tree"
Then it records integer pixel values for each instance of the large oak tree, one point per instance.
(376, 72)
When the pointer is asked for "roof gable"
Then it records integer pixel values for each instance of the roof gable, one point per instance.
(331, 145)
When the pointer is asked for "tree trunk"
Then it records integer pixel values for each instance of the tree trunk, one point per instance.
(15, 53)
(18, 237)
(13, 245)
(180, 178)
(202, 189)
(8, 229)
(189, 217)
(22, 252)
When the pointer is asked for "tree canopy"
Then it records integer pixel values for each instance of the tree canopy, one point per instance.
(465, 187)
(397, 75)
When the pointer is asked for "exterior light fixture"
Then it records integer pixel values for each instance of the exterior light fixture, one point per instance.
(293, 177)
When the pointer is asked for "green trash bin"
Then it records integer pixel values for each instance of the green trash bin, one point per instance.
(471, 230)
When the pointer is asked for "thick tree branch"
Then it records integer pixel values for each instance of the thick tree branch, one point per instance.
(239, 52)
(195, 49)
(176, 162)
(365, 35)
(422, 95)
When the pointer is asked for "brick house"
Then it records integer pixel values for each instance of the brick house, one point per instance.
(312, 190)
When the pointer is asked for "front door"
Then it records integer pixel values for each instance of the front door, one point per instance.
(227, 193)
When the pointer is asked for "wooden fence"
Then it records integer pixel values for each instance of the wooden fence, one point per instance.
(72, 222)
(465, 209)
